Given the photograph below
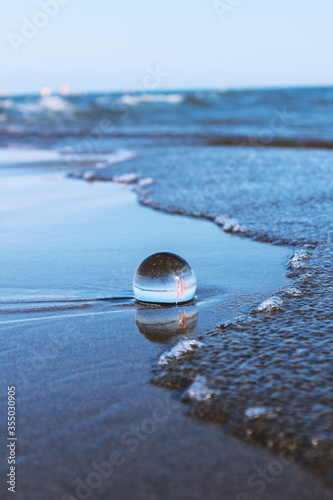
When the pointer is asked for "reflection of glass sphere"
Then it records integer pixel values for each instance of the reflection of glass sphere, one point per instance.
(159, 324)
(164, 278)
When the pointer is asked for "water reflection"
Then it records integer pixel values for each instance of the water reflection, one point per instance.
(159, 324)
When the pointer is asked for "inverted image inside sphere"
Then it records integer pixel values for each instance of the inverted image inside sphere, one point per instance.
(164, 277)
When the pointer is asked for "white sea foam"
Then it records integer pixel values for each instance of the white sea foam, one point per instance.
(120, 155)
(7, 103)
(134, 100)
(299, 353)
(259, 411)
(89, 176)
(183, 347)
(297, 261)
(199, 390)
(55, 103)
(306, 277)
(102, 160)
(229, 225)
(271, 304)
(148, 181)
(126, 178)
(50, 103)
(235, 321)
(294, 292)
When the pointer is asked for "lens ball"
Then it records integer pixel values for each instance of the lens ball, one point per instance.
(164, 278)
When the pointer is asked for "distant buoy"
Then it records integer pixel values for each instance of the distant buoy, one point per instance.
(164, 278)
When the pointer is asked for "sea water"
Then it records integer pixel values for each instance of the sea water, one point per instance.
(258, 163)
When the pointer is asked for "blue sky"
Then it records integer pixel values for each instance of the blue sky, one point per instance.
(109, 44)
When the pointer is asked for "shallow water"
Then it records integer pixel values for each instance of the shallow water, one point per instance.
(284, 197)
(79, 349)
(273, 183)
(64, 247)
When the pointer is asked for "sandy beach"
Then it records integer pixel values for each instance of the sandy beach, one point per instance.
(166, 229)
(80, 350)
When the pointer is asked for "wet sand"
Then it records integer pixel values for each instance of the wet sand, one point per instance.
(82, 366)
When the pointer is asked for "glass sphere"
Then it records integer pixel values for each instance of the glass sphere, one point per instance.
(164, 278)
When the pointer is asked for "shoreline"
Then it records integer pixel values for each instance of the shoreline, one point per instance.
(93, 373)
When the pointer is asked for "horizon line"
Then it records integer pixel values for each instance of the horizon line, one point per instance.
(4, 93)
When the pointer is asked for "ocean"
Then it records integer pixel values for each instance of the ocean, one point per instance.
(257, 163)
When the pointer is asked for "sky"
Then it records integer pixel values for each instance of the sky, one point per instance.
(106, 45)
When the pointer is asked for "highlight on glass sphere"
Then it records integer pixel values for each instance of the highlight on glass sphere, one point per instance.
(164, 278)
